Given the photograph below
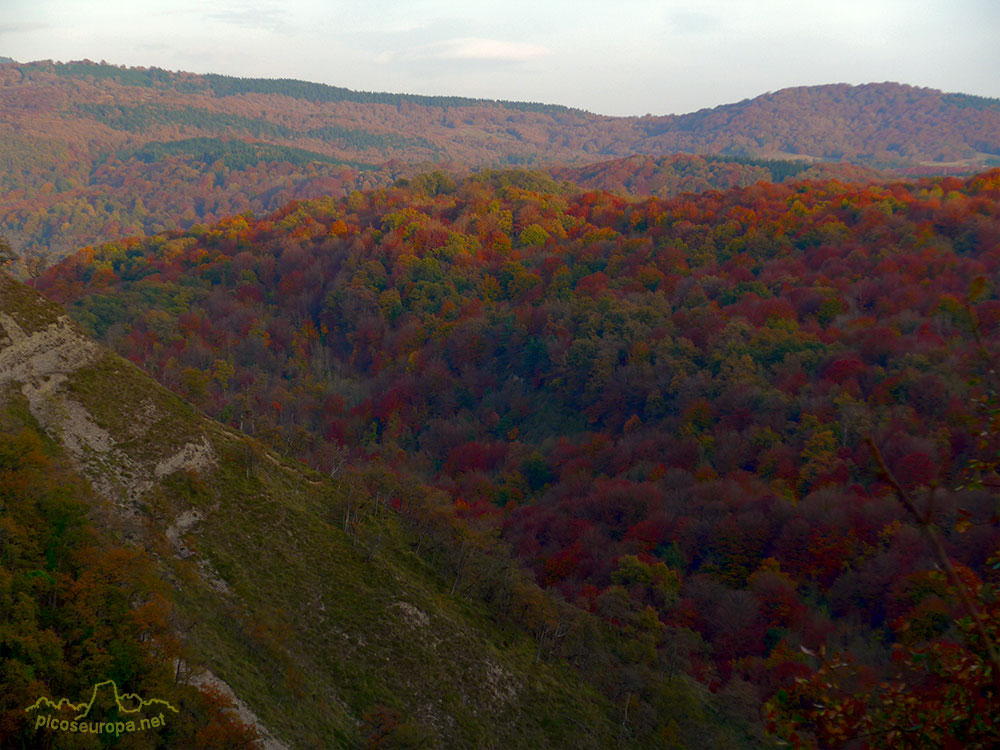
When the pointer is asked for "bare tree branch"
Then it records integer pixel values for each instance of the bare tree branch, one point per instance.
(928, 527)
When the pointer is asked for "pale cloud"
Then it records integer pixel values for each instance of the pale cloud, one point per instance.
(22, 26)
(254, 16)
(687, 21)
(470, 49)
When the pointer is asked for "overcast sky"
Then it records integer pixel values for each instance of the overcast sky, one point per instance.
(621, 57)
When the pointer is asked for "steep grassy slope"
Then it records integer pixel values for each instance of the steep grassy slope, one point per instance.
(301, 592)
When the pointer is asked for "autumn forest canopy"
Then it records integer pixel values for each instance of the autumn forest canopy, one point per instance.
(660, 406)
(715, 432)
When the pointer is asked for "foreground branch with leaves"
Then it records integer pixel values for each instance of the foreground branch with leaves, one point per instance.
(945, 692)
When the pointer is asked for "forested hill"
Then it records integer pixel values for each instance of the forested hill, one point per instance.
(661, 407)
(877, 124)
(144, 543)
(669, 176)
(94, 151)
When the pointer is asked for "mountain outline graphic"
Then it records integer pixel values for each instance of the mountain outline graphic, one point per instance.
(121, 701)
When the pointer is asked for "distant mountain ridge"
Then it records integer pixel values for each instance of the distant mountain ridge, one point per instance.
(224, 85)
(878, 124)
(93, 151)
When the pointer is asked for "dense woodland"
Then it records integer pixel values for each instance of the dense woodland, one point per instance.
(669, 176)
(94, 151)
(80, 608)
(660, 406)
